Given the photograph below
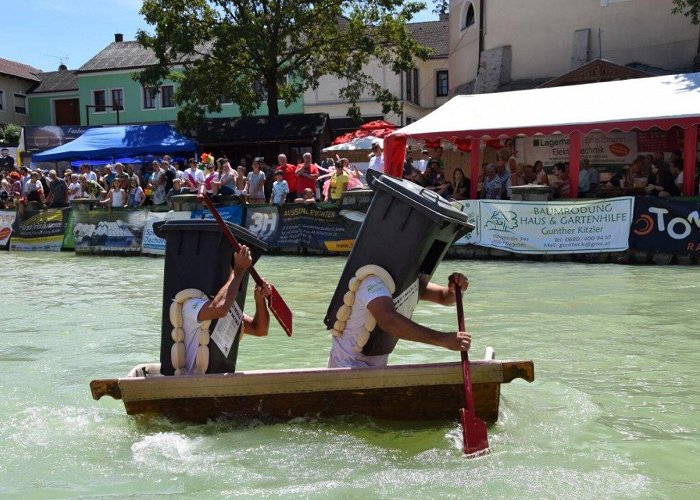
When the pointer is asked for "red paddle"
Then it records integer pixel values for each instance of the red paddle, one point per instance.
(275, 302)
(476, 442)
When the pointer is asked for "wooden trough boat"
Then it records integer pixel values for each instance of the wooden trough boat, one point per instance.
(402, 392)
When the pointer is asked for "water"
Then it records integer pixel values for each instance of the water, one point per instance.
(614, 411)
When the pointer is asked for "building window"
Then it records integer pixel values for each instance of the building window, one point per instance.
(409, 86)
(469, 16)
(2, 100)
(117, 99)
(149, 98)
(21, 104)
(416, 92)
(442, 84)
(99, 99)
(166, 96)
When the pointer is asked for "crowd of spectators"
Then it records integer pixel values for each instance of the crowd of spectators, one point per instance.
(121, 186)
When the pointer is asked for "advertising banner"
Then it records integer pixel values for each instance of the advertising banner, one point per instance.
(7, 218)
(614, 148)
(586, 226)
(471, 208)
(40, 230)
(313, 226)
(115, 231)
(230, 213)
(37, 139)
(152, 244)
(666, 226)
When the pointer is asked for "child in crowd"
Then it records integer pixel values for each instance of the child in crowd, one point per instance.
(280, 189)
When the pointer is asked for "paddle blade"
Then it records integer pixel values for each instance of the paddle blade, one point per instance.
(476, 441)
(280, 310)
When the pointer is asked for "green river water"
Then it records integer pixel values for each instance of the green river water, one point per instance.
(613, 413)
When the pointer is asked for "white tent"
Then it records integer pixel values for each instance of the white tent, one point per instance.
(639, 104)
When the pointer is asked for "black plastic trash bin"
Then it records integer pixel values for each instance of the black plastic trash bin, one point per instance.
(407, 231)
(198, 255)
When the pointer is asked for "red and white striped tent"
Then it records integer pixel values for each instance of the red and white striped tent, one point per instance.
(639, 104)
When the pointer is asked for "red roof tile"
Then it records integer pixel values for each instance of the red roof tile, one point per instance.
(19, 70)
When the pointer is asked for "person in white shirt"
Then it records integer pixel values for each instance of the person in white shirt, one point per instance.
(376, 162)
(193, 176)
(196, 311)
(374, 297)
(584, 178)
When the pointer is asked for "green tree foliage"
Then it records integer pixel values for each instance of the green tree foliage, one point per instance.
(255, 51)
(9, 134)
(441, 7)
(689, 8)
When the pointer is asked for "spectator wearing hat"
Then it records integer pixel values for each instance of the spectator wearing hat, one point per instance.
(376, 161)
(280, 189)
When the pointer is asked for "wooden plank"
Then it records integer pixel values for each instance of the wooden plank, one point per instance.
(421, 403)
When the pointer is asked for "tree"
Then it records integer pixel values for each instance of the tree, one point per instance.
(251, 51)
(441, 7)
(691, 9)
(10, 133)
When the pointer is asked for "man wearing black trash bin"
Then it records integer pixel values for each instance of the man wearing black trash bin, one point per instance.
(402, 240)
(195, 311)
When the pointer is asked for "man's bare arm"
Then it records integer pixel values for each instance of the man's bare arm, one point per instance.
(382, 308)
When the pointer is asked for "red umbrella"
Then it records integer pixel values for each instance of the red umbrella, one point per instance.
(377, 124)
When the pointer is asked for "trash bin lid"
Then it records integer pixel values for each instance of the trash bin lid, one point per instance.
(243, 236)
(422, 199)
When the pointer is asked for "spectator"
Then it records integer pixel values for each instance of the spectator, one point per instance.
(107, 177)
(307, 197)
(136, 195)
(85, 170)
(42, 179)
(423, 162)
(280, 189)
(156, 183)
(492, 183)
(289, 173)
(541, 177)
(73, 187)
(193, 176)
(58, 191)
(338, 182)
(677, 172)
(226, 183)
(408, 163)
(528, 174)
(503, 176)
(461, 185)
(33, 190)
(90, 189)
(116, 196)
(255, 184)
(560, 185)
(594, 179)
(307, 173)
(376, 160)
(584, 178)
(660, 182)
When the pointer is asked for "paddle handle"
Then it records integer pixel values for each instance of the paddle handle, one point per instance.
(466, 372)
(203, 198)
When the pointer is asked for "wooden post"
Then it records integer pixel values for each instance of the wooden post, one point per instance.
(474, 167)
(690, 140)
(574, 162)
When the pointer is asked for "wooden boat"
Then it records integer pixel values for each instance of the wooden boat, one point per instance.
(404, 392)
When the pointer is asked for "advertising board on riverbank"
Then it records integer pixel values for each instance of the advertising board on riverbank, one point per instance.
(40, 230)
(666, 226)
(552, 227)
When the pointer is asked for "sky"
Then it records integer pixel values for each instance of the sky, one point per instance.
(48, 32)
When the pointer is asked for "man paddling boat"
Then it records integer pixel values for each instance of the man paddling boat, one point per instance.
(373, 298)
(223, 307)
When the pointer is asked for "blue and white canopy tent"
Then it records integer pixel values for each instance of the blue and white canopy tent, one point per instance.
(114, 142)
